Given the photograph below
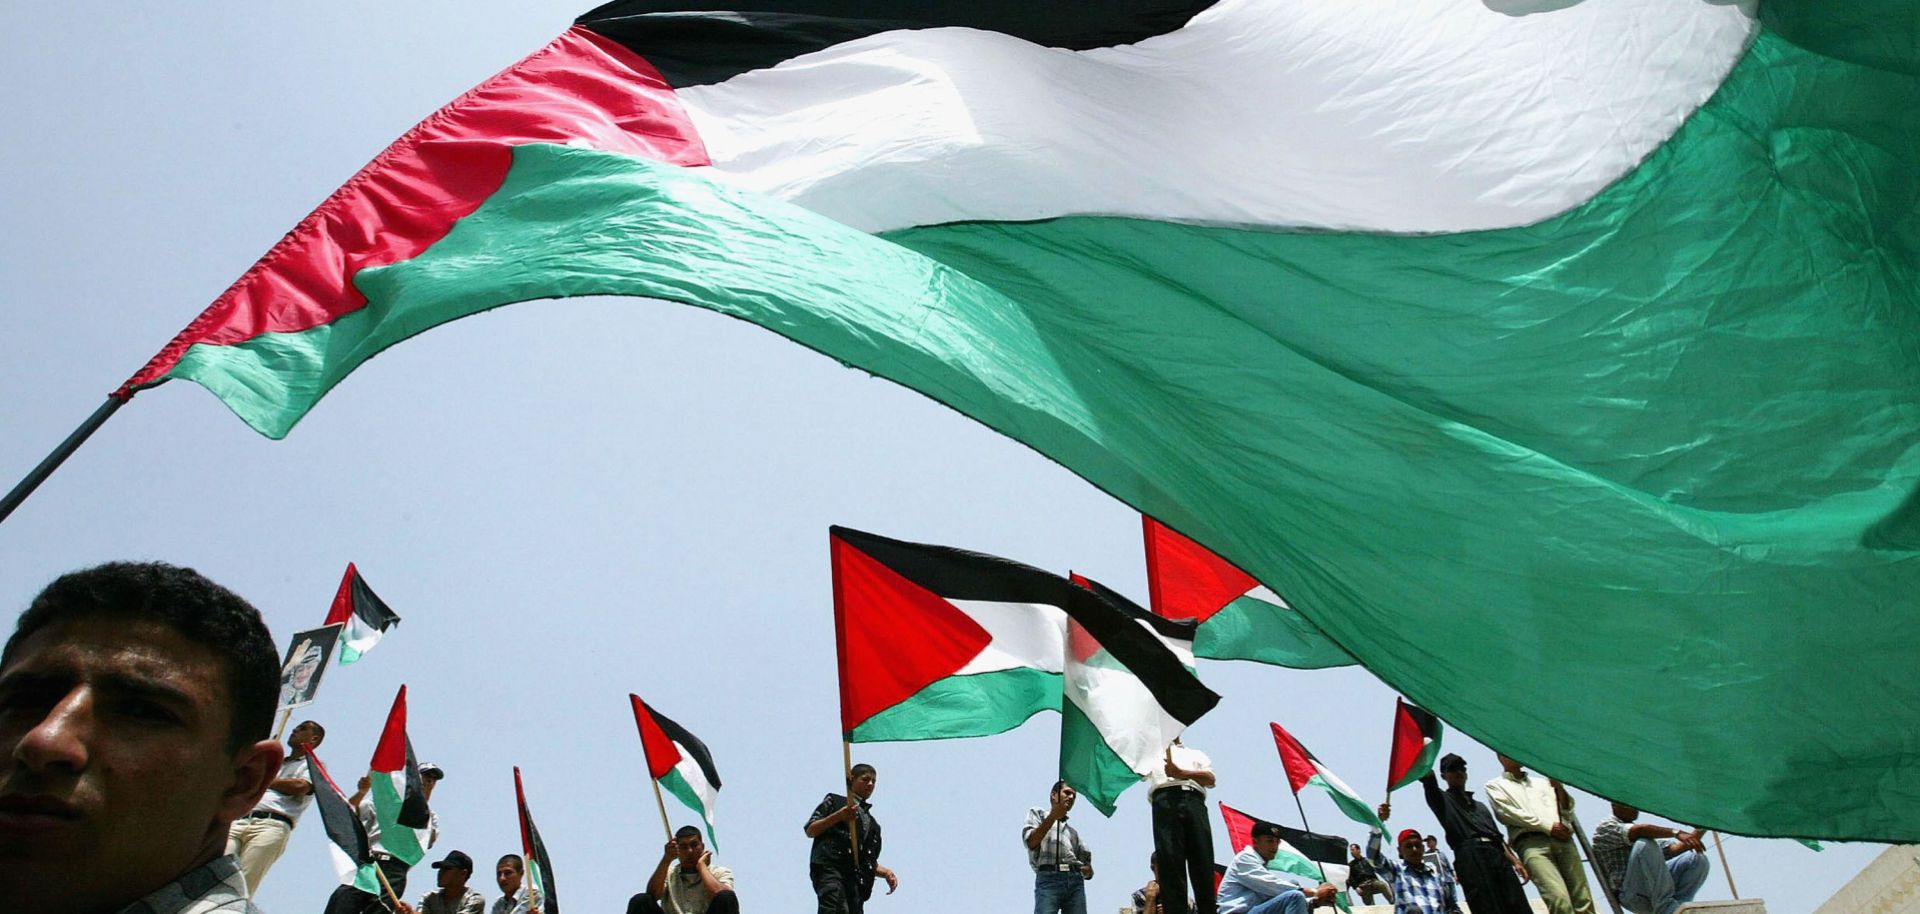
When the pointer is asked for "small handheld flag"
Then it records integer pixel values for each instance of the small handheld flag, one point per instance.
(1304, 770)
(678, 761)
(399, 799)
(364, 614)
(540, 888)
(1416, 744)
(346, 837)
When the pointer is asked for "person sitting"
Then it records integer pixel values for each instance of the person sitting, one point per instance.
(1146, 899)
(136, 701)
(1361, 879)
(453, 896)
(1653, 869)
(1251, 887)
(1420, 885)
(687, 881)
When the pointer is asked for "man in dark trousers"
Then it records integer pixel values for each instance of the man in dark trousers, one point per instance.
(1488, 871)
(842, 880)
(1182, 834)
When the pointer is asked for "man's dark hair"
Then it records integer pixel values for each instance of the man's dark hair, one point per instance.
(1452, 762)
(860, 769)
(1056, 786)
(687, 831)
(185, 601)
(519, 865)
(1265, 830)
(317, 729)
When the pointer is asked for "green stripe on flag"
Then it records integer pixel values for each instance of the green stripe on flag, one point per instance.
(981, 704)
(1253, 629)
(399, 840)
(1351, 806)
(1089, 764)
(676, 784)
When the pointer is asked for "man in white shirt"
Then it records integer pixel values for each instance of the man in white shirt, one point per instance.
(1182, 835)
(1251, 887)
(259, 839)
(1532, 809)
(509, 873)
(687, 881)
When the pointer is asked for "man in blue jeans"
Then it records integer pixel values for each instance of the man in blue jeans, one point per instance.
(1061, 863)
(1653, 869)
(1250, 887)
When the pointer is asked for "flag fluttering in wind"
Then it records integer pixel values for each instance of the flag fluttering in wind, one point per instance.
(1238, 618)
(540, 890)
(1416, 744)
(346, 838)
(679, 761)
(399, 800)
(1504, 365)
(1303, 770)
(1302, 853)
(1176, 634)
(364, 614)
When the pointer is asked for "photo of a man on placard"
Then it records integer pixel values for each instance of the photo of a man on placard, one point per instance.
(306, 661)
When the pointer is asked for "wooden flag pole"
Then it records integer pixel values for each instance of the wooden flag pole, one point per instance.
(853, 821)
(661, 801)
(1722, 851)
(281, 727)
(45, 468)
(377, 871)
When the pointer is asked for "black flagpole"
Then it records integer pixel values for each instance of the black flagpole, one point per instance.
(60, 454)
(1309, 828)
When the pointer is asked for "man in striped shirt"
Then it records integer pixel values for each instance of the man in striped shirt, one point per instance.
(1061, 863)
(1419, 886)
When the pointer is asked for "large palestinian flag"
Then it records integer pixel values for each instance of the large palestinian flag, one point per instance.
(364, 614)
(1588, 325)
(679, 761)
(1238, 618)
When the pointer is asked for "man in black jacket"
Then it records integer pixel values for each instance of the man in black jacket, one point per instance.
(1489, 873)
(842, 878)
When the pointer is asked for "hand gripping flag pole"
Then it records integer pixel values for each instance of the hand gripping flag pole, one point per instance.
(45, 468)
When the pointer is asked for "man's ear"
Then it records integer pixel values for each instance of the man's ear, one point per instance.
(254, 767)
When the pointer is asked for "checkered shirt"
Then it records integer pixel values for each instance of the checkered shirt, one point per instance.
(216, 888)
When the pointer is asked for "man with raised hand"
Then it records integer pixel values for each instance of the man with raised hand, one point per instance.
(261, 837)
(1061, 862)
(1653, 869)
(1251, 887)
(135, 705)
(1420, 884)
(1489, 873)
(1533, 809)
(687, 881)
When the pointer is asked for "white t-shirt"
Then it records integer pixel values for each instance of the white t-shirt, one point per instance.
(1191, 760)
(287, 804)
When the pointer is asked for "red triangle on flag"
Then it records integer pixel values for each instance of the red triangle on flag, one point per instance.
(1295, 758)
(1185, 580)
(1239, 827)
(342, 609)
(662, 754)
(894, 636)
(390, 754)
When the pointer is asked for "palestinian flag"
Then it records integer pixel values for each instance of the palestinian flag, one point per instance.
(364, 614)
(679, 761)
(1303, 770)
(941, 643)
(1416, 745)
(1176, 634)
(346, 837)
(540, 890)
(1238, 617)
(1127, 697)
(1322, 858)
(399, 802)
(1588, 332)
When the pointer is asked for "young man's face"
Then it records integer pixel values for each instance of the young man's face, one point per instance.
(1065, 796)
(863, 784)
(1412, 849)
(453, 877)
(1266, 846)
(507, 876)
(1455, 777)
(690, 849)
(305, 738)
(115, 778)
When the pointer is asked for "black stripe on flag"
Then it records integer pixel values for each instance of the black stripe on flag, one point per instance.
(691, 44)
(413, 803)
(957, 574)
(337, 816)
(1178, 629)
(690, 744)
(368, 606)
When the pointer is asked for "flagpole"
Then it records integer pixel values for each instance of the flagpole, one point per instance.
(377, 871)
(281, 727)
(853, 821)
(661, 801)
(45, 468)
(1309, 828)
(1722, 850)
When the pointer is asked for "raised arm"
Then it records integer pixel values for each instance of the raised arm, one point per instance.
(657, 883)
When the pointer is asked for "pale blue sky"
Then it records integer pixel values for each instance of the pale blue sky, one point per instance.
(567, 501)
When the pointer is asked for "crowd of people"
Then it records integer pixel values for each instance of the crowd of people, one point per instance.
(137, 776)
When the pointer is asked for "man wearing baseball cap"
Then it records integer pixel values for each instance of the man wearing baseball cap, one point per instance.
(1420, 886)
(453, 896)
